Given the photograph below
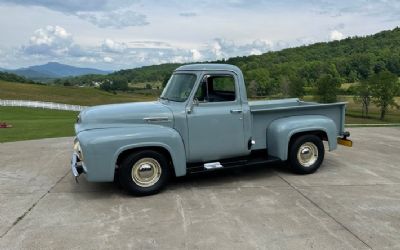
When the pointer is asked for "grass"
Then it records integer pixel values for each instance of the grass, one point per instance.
(29, 123)
(68, 95)
(143, 85)
(354, 112)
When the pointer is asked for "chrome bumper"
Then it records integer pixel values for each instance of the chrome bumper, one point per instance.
(76, 165)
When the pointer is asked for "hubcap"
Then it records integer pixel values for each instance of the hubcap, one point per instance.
(146, 172)
(307, 154)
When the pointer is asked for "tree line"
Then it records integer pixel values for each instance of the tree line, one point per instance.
(10, 77)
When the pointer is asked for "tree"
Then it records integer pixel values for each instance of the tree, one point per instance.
(262, 81)
(384, 87)
(328, 85)
(285, 83)
(252, 89)
(363, 96)
(296, 87)
(327, 88)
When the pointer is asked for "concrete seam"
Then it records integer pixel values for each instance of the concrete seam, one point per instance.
(31, 208)
(325, 212)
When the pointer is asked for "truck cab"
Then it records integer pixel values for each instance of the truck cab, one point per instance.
(216, 112)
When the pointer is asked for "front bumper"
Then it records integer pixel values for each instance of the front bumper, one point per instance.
(76, 165)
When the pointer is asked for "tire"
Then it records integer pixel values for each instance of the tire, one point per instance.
(306, 154)
(144, 173)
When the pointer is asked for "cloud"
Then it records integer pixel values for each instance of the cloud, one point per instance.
(223, 48)
(72, 6)
(115, 19)
(196, 55)
(51, 40)
(188, 14)
(390, 9)
(149, 44)
(54, 43)
(108, 59)
(86, 59)
(336, 35)
(110, 45)
(102, 13)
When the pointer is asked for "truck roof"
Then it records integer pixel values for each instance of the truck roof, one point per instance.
(209, 67)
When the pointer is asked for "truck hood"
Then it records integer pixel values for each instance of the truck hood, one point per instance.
(122, 115)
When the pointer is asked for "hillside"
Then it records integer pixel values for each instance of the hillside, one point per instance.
(9, 77)
(54, 70)
(69, 95)
(351, 59)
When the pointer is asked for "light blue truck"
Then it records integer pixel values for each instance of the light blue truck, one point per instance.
(202, 121)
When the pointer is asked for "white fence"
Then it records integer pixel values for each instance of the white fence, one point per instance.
(43, 105)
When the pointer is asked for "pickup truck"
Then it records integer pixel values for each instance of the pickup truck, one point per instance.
(202, 121)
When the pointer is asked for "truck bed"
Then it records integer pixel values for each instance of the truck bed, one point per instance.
(264, 112)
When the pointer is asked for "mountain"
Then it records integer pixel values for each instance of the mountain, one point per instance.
(53, 70)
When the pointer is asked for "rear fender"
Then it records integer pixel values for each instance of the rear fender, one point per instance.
(281, 131)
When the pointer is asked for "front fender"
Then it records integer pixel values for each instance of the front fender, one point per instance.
(101, 147)
(281, 130)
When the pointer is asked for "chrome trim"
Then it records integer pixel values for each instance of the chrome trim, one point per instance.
(74, 165)
(156, 119)
(236, 111)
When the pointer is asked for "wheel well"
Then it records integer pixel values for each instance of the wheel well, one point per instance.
(160, 150)
(321, 134)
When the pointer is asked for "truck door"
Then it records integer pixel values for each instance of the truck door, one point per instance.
(215, 120)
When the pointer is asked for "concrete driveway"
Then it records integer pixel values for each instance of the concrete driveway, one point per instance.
(352, 202)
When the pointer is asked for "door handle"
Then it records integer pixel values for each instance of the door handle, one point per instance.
(236, 111)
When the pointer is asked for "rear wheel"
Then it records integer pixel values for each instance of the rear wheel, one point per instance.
(306, 154)
(144, 172)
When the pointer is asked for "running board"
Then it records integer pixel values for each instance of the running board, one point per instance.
(230, 163)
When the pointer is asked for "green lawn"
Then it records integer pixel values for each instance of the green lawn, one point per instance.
(29, 123)
(68, 95)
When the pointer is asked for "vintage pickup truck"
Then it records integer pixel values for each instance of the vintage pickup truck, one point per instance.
(201, 122)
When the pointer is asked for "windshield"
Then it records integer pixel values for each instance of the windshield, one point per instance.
(179, 87)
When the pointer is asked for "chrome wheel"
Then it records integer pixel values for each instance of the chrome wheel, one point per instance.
(307, 154)
(146, 172)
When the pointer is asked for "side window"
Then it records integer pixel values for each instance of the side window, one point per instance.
(217, 88)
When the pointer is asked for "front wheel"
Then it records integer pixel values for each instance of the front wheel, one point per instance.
(144, 173)
(306, 154)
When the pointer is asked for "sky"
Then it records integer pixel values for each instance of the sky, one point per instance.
(122, 34)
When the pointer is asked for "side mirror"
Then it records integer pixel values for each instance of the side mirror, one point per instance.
(195, 102)
(205, 77)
